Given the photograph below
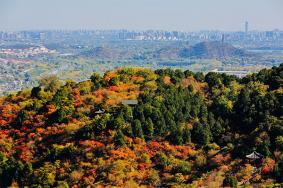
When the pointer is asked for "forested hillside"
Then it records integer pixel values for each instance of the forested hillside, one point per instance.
(187, 130)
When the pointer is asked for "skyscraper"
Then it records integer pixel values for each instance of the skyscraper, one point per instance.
(246, 27)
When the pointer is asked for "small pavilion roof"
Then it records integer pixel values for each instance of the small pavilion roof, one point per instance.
(254, 155)
(100, 111)
(129, 102)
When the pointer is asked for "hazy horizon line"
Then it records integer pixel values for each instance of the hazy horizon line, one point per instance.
(136, 30)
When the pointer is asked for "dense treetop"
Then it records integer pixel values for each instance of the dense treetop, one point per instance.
(188, 129)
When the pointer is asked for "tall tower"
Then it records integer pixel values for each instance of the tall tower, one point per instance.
(41, 39)
(246, 27)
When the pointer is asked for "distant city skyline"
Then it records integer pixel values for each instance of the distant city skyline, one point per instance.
(179, 15)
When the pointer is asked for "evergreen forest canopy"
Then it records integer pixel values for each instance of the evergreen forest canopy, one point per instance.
(187, 130)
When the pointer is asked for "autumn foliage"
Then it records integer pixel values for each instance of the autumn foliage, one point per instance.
(188, 129)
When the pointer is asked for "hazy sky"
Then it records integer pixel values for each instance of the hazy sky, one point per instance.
(186, 15)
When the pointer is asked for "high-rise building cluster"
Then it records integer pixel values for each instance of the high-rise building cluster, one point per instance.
(41, 37)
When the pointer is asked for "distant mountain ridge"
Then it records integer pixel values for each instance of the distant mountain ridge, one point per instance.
(214, 49)
(102, 52)
(206, 50)
(203, 50)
